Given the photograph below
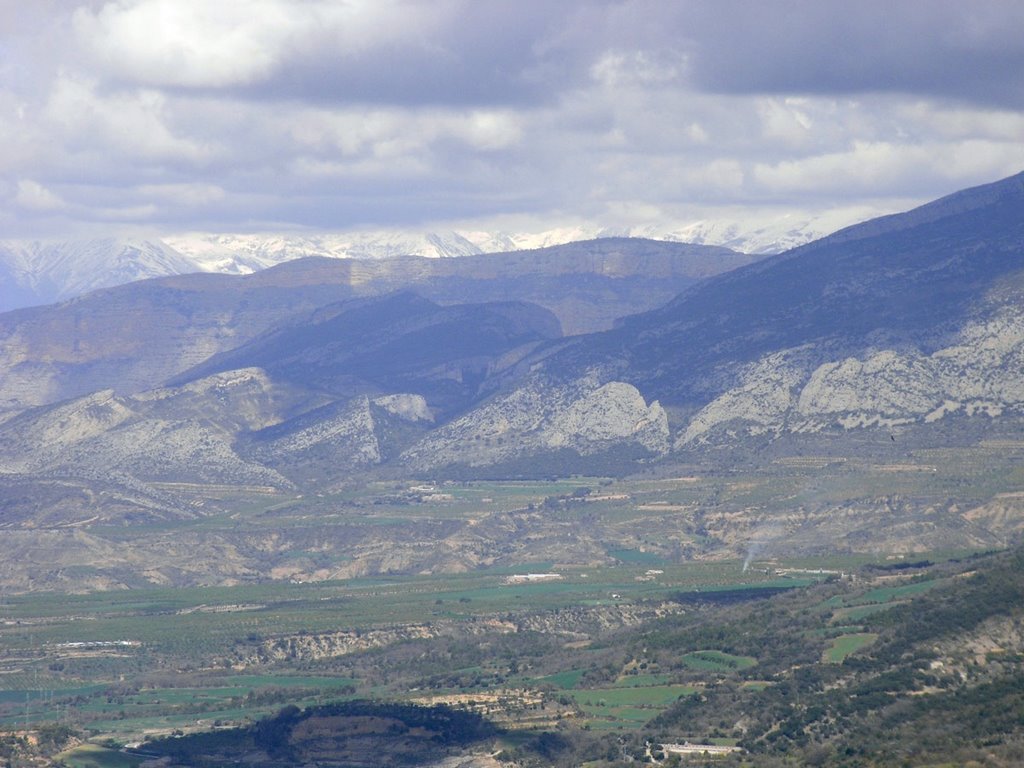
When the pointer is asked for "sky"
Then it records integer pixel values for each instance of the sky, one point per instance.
(239, 116)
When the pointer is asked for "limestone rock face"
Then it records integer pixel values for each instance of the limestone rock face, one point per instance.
(613, 412)
(762, 401)
(338, 437)
(345, 436)
(408, 407)
(165, 435)
(586, 416)
(979, 373)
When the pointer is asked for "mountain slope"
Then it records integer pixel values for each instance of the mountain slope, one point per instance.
(397, 343)
(587, 284)
(898, 323)
(134, 337)
(909, 282)
(34, 272)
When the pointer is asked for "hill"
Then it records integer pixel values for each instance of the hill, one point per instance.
(867, 388)
(899, 321)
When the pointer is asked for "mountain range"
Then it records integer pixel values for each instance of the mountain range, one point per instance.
(900, 319)
(40, 272)
(902, 332)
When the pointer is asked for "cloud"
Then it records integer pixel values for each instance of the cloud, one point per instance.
(183, 194)
(868, 166)
(185, 43)
(937, 48)
(33, 196)
(365, 51)
(238, 115)
(132, 124)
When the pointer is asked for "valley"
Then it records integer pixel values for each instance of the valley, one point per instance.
(586, 505)
(780, 500)
(586, 667)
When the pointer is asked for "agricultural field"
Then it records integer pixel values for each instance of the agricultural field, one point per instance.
(536, 605)
(717, 661)
(597, 653)
(135, 664)
(844, 645)
(154, 660)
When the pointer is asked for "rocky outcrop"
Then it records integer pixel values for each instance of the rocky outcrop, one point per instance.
(408, 407)
(339, 437)
(586, 416)
(978, 374)
(346, 434)
(576, 622)
(325, 645)
(172, 434)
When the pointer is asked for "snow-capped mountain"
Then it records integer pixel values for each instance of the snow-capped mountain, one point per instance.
(33, 272)
(242, 254)
(760, 234)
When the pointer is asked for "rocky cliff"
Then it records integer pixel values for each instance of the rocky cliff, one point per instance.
(585, 416)
(978, 373)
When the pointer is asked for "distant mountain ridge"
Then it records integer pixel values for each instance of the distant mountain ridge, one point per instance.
(41, 272)
(237, 253)
(785, 343)
(36, 272)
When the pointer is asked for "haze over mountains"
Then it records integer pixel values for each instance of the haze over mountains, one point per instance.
(301, 377)
(902, 297)
(40, 272)
(786, 340)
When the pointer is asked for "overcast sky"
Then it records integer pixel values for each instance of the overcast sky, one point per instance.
(257, 115)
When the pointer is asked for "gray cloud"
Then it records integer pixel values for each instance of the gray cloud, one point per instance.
(452, 52)
(186, 114)
(972, 51)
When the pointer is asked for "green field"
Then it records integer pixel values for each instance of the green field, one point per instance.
(627, 707)
(67, 654)
(642, 680)
(95, 756)
(658, 696)
(844, 645)
(565, 680)
(717, 661)
(888, 594)
(150, 659)
(636, 557)
(179, 647)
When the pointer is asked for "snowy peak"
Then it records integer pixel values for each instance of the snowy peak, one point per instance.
(35, 272)
(243, 254)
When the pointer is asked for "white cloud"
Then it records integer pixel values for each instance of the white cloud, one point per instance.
(188, 42)
(868, 166)
(617, 69)
(227, 43)
(394, 133)
(324, 113)
(33, 196)
(124, 123)
(785, 119)
(129, 213)
(955, 122)
(370, 170)
(489, 130)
